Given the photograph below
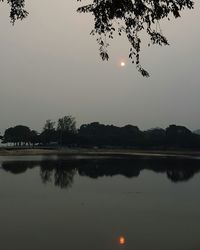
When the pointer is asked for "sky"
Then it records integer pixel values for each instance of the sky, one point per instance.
(50, 67)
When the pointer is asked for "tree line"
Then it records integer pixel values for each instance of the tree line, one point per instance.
(64, 132)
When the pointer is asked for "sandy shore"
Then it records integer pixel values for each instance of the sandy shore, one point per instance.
(97, 152)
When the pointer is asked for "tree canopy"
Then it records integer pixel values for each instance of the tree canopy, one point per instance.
(18, 135)
(129, 17)
(17, 9)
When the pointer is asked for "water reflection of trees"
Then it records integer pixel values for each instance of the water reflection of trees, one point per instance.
(58, 172)
(176, 169)
(61, 172)
(17, 167)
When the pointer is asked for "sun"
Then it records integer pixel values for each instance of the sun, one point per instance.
(122, 64)
(122, 240)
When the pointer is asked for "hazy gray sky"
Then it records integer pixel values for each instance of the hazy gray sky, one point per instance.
(50, 67)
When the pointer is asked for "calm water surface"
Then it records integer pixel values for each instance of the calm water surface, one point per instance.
(88, 203)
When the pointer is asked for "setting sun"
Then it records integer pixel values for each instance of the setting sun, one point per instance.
(123, 64)
(122, 240)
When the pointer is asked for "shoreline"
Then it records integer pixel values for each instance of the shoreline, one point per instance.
(97, 152)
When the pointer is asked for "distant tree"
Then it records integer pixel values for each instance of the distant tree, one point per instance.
(66, 129)
(22, 134)
(67, 123)
(34, 137)
(49, 125)
(18, 135)
(131, 136)
(48, 134)
(109, 135)
(155, 137)
(180, 136)
(8, 136)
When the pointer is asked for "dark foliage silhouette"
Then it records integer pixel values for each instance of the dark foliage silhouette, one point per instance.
(100, 135)
(155, 137)
(66, 130)
(20, 135)
(180, 136)
(96, 134)
(48, 134)
(17, 10)
(131, 17)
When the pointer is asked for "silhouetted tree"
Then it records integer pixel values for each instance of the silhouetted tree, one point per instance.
(48, 134)
(130, 136)
(8, 136)
(179, 136)
(155, 137)
(17, 10)
(34, 137)
(130, 17)
(96, 134)
(17, 135)
(67, 123)
(49, 125)
(66, 129)
(101, 135)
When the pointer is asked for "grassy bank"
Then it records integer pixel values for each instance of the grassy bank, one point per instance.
(97, 152)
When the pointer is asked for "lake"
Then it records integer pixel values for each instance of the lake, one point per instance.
(99, 203)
